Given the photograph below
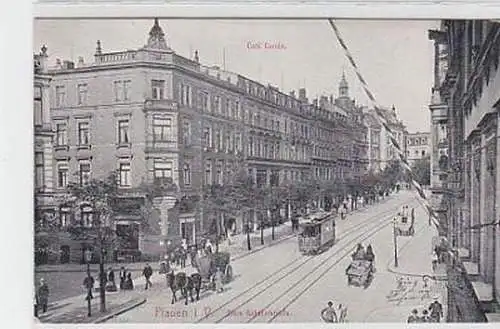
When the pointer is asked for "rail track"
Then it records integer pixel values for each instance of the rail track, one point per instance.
(352, 234)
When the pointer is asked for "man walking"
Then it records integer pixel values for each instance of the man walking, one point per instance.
(436, 310)
(43, 295)
(88, 284)
(148, 272)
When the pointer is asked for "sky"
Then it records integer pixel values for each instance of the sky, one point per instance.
(394, 56)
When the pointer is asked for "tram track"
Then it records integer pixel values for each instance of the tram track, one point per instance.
(285, 271)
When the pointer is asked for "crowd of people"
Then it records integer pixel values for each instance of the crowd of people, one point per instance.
(332, 314)
(432, 314)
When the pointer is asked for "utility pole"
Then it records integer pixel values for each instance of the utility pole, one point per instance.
(395, 237)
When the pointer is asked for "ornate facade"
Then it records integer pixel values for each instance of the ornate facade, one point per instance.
(470, 92)
(156, 116)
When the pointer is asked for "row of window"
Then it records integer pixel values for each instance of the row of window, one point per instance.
(161, 169)
(262, 148)
(417, 141)
(221, 141)
(121, 90)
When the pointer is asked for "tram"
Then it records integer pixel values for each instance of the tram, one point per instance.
(317, 233)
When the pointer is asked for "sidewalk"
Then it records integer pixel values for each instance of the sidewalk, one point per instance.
(421, 284)
(74, 309)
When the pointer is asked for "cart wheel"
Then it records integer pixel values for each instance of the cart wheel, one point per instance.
(229, 273)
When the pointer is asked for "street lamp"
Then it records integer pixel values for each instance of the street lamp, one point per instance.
(88, 258)
(395, 237)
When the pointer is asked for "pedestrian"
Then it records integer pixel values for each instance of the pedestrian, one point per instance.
(343, 211)
(43, 295)
(193, 254)
(148, 272)
(413, 318)
(111, 285)
(35, 304)
(435, 260)
(183, 255)
(88, 284)
(123, 276)
(208, 246)
(328, 314)
(129, 284)
(425, 317)
(342, 313)
(436, 310)
(218, 280)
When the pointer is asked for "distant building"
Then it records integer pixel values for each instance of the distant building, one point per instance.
(374, 135)
(388, 152)
(417, 146)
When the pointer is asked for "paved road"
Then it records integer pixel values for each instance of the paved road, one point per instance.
(278, 284)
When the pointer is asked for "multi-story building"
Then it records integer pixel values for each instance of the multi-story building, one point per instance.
(417, 146)
(470, 91)
(374, 133)
(157, 117)
(387, 150)
(44, 182)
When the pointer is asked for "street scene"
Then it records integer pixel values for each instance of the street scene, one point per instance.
(228, 171)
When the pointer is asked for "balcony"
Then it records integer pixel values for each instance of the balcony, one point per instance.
(160, 105)
(161, 146)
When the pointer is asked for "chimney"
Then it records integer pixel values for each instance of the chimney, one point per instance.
(98, 49)
(331, 99)
(68, 65)
(42, 58)
(58, 63)
(292, 94)
(196, 57)
(302, 93)
(80, 61)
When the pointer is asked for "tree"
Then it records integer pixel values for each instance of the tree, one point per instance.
(99, 196)
(422, 171)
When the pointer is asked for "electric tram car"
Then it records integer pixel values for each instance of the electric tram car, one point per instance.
(317, 233)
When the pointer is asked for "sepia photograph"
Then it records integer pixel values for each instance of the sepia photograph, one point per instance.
(224, 171)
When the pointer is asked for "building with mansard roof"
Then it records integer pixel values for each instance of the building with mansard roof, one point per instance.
(158, 117)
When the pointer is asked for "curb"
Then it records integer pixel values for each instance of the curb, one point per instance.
(119, 312)
(391, 268)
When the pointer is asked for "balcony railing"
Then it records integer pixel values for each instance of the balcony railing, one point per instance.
(160, 104)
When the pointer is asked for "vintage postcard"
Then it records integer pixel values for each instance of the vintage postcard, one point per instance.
(230, 171)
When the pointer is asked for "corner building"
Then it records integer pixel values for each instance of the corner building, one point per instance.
(156, 116)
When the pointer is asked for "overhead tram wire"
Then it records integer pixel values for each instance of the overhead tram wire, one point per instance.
(383, 121)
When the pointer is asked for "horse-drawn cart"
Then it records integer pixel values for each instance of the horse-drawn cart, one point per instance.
(207, 266)
(360, 273)
(405, 226)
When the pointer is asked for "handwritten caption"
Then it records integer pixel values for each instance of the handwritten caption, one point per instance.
(170, 313)
(265, 45)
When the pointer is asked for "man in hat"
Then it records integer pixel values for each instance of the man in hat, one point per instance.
(436, 310)
(328, 314)
(43, 295)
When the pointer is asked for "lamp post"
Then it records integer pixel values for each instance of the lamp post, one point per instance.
(395, 237)
(88, 258)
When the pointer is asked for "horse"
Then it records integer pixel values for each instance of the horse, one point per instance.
(176, 282)
(186, 284)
